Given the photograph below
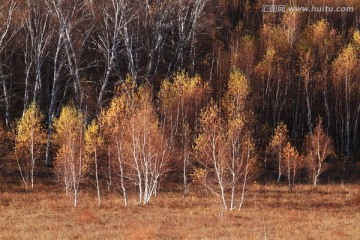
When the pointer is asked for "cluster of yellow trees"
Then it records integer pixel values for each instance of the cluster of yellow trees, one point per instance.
(141, 138)
(318, 147)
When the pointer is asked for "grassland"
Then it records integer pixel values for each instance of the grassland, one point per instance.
(270, 212)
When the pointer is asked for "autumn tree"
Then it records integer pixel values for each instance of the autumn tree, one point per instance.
(181, 102)
(273, 73)
(319, 147)
(291, 163)
(29, 142)
(243, 53)
(112, 124)
(69, 162)
(147, 146)
(239, 132)
(211, 143)
(225, 144)
(347, 88)
(316, 50)
(277, 144)
(135, 141)
(94, 144)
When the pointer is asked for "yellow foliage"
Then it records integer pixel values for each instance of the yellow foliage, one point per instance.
(69, 138)
(345, 65)
(356, 37)
(212, 130)
(199, 175)
(279, 139)
(236, 96)
(183, 89)
(93, 139)
(320, 38)
(319, 146)
(68, 125)
(30, 135)
(30, 129)
(94, 142)
(30, 140)
(291, 156)
(266, 64)
(274, 37)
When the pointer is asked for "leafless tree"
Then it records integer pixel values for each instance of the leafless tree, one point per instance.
(187, 14)
(71, 17)
(108, 41)
(38, 36)
(7, 10)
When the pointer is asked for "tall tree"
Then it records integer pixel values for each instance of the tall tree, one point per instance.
(136, 141)
(181, 102)
(108, 41)
(69, 160)
(277, 144)
(147, 144)
(292, 161)
(225, 144)
(29, 143)
(94, 144)
(319, 147)
(37, 40)
(347, 88)
(240, 119)
(7, 10)
(75, 28)
(112, 123)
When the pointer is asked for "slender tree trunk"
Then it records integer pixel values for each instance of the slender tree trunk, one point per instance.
(6, 97)
(54, 93)
(97, 179)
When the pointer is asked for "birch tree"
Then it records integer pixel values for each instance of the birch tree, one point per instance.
(108, 41)
(69, 161)
(94, 144)
(181, 102)
(135, 140)
(38, 38)
(7, 10)
(291, 163)
(212, 144)
(57, 61)
(345, 77)
(188, 15)
(71, 16)
(112, 122)
(241, 163)
(317, 49)
(29, 143)
(319, 147)
(277, 144)
(225, 145)
(147, 146)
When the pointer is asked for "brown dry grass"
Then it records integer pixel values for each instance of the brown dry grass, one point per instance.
(329, 212)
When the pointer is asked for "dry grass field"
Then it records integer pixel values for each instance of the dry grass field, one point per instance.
(270, 212)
